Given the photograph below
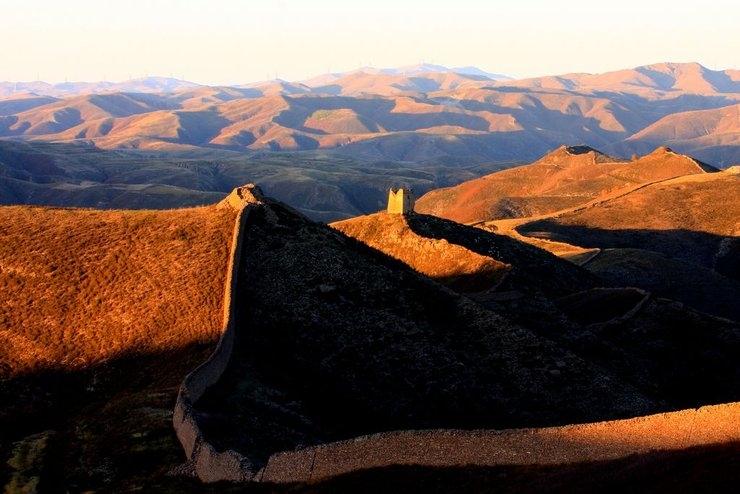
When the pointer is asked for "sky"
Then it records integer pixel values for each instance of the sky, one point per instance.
(242, 41)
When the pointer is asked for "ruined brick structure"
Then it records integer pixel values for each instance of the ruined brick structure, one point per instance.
(400, 201)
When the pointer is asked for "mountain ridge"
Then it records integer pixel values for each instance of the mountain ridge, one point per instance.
(401, 114)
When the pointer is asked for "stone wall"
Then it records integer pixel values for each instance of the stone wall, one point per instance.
(210, 465)
(552, 445)
(400, 201)
(441, 448)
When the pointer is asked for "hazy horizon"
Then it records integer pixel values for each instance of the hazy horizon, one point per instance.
(234, 43)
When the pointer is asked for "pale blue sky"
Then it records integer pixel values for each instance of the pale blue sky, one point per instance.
(239, 41)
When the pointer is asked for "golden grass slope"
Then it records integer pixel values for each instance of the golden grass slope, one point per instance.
(565, 178)
(80, 287)
(455, 264)
(708, 203)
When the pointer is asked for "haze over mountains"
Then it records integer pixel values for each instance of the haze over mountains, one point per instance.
(371, 112)
(332, 145)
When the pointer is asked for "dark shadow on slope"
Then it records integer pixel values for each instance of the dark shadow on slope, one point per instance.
(697, 268)
(533, 270)
(663, 347)
(336, 340)
(107, 428)
(669, 350)
(705, 249)
(697, 286)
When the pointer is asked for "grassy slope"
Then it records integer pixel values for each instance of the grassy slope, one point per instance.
(563, 179)
(709, 203)
(84, 286)
(103, 313)
(437, 258)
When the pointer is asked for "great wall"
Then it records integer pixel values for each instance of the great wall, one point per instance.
(439, 448)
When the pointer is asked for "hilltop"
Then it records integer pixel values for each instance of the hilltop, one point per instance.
(664, 222)
(677, 238)
(331, 326)
(467, 259)
(565, 178)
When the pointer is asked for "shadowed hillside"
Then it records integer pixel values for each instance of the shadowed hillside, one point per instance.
(624, 330)
(325, 327)
(692, 218)
(465, 258)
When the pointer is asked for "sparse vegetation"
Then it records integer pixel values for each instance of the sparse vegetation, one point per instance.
(81, 287)
(104, 312)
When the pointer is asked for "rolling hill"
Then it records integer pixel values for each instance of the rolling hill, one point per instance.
(537, 114)
(78, 302)
(712, 133)
(106, 312)
(693, 218)
(378, 322)
(565, 178)
(664, 222)
(102, 314)
(425, 126)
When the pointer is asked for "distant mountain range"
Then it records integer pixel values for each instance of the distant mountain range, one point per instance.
(424, 113)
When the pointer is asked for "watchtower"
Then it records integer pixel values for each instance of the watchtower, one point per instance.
(400, 201)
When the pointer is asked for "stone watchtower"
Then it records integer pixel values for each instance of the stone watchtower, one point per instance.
(400, 201)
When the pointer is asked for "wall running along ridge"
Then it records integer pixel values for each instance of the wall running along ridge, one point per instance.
(434, 448)
(210, 465)
(544, 446)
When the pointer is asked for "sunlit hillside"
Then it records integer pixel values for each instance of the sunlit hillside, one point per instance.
(81, 287)
(565, 178)
(432, 116)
